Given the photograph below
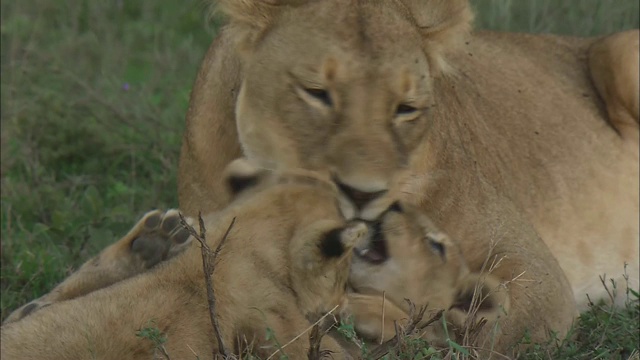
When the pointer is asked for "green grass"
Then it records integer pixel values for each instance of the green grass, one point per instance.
(93, 97)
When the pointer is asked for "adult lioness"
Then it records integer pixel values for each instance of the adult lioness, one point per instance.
(284, 262)
(502, 138)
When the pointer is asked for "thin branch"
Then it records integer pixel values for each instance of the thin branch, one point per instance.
(382, 328)
(208, 263)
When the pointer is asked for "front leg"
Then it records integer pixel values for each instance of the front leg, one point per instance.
(368, 316)
(157, 237)
(291, 326)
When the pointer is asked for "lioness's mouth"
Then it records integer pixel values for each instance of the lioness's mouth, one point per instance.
(359, 198)
(374, 249)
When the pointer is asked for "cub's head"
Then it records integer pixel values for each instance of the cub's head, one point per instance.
(340, 86)
(300, 211)
(406, 257)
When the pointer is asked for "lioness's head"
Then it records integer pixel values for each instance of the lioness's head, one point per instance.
(342, 86)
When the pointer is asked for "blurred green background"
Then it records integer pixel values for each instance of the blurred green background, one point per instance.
(93, 98)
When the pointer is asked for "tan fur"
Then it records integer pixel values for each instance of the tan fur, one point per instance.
(515, 144)
(271, 273)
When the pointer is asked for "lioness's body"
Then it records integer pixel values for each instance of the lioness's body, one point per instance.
(270, 275)
(519, 148)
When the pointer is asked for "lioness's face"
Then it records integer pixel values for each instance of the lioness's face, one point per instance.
(337, 86)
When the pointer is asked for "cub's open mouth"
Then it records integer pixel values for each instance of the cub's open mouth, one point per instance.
(374, 248)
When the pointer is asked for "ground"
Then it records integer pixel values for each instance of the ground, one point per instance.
(93, 98)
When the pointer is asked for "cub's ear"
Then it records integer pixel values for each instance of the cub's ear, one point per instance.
(482, 296)
(324, 243)
(340, 241)
(241, 175)
(251, 18)
(444, 24)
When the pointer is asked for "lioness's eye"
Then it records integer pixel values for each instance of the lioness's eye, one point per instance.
(404, 109)
(320, 94)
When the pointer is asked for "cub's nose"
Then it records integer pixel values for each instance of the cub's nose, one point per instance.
(359, 198)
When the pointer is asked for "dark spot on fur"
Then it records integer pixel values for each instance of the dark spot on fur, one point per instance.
(240, 183)
(28, 309)
(396, 207)
(331, 246)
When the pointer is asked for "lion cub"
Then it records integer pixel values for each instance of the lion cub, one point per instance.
(284, 264)
(405, 257)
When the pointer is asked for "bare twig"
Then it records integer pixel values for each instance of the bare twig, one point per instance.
(315, 339)
(382, 328)
(208, 263)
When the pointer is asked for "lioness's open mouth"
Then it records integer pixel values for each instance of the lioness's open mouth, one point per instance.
(374, 248)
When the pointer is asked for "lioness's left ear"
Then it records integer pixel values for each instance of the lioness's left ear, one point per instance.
(443, 23)
(241, 175)
(251, 18)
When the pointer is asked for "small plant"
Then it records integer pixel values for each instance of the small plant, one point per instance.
(153, 334)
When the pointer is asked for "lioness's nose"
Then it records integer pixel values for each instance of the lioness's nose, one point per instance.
(359, 198)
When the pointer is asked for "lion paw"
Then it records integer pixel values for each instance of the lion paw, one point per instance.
(25, 310)
(160, 237)
(353, 233)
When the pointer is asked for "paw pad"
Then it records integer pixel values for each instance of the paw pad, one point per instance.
(161, 236)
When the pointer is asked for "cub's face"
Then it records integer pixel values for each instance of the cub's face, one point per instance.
(406, 257)
(337, 86)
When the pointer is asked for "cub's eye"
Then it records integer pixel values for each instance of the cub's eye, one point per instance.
(320, 94)
(436, 245)
(404, 109)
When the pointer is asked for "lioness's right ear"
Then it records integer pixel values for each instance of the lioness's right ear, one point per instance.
(443, 24)
(251, 18)
(241, 175)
